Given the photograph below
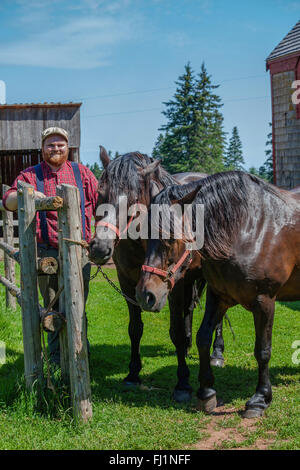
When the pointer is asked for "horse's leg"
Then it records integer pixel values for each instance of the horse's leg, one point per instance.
(190, 301)
(135, 330)
(263, 313)
(217, 358)
(183, 390)
(214, 312)
(192, 295)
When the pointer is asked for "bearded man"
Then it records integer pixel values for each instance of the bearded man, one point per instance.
(56, 169)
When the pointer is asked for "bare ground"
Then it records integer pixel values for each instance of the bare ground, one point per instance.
(224, 432)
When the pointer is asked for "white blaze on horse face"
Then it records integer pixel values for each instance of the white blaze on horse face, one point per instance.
(108, 212)
(198, 235)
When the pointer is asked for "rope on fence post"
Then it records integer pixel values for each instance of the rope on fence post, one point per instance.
(70, 226)
(33, 363)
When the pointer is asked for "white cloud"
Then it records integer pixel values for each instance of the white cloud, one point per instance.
(80, 43)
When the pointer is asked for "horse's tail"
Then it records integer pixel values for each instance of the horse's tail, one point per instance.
(229, 324)
(198, 290)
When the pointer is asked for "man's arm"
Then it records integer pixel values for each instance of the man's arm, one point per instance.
(11, 202)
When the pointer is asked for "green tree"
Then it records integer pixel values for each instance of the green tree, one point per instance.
(209, 138)
(268, 165)
(233, 158)
(95, 168)
(193, 137)
(174, 144)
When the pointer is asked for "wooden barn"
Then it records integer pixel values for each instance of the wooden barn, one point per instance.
(21, 126)
(284, 66)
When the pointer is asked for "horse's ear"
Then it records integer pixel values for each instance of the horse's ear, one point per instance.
(149, 168)
(187, 199)
(104, 157)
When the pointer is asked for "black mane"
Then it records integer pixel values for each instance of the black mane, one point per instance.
(228, 198)
(122, 176)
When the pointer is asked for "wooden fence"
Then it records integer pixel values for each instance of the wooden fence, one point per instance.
(72, 331)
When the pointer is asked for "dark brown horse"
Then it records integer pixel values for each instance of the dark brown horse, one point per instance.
(250, 256)
(140, 178)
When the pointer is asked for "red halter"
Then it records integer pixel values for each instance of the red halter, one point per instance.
(168, 275)
(114, 228)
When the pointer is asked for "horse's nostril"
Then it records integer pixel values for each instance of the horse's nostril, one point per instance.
(150, 299)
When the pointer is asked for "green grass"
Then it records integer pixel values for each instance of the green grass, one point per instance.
(148, 418)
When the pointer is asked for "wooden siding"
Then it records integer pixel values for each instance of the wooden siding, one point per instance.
(21, 125)
(286, 131)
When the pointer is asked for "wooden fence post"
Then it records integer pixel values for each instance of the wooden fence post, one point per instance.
(33, 363)
(63, 334)
(74, 302)
(9, 263)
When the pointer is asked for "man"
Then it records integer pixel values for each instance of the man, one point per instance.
(56, 169)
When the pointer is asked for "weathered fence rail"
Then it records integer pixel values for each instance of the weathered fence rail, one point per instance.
(73, 339)
(8, 238)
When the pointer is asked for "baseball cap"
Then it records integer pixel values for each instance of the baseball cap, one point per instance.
(54, 130)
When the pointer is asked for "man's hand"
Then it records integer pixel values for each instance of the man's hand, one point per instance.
(38, 195)
(12, 200)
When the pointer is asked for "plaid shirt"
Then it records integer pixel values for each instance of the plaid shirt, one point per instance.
(64, 175)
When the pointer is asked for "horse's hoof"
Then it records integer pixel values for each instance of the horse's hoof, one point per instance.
(182, 396)
(129, 385)
(208, 405)
(252, 413)
(217, 361)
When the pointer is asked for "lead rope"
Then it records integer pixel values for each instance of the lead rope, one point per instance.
(112, 284)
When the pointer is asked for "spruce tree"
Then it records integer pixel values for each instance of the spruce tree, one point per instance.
(193, 138)
(268, 165)
(233, 158)
(95, 168)
(208, 140)
(173, 145)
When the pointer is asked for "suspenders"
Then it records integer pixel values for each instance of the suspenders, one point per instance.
(77, 175)
(40, 188)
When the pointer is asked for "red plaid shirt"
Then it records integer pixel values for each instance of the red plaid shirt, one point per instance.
(64, 175)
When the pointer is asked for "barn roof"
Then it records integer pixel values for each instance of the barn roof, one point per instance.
(290, 44)
(39, 105)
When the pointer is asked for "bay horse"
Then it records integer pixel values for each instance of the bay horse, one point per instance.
(250, 256)
(139, 178)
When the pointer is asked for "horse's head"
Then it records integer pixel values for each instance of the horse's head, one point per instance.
(167, 260)
(125, 189)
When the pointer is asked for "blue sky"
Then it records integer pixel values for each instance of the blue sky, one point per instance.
(122, 57)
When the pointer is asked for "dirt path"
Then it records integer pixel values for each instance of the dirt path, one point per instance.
(224, 432)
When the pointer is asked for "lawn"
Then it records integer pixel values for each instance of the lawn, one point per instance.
(147, 418)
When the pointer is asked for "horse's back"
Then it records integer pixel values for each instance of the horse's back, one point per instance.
(188, 177)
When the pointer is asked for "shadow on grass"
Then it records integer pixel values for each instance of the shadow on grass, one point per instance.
(231, 382)
(107, 361)
(292, 305)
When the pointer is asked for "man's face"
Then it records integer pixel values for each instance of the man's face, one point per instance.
(55, 150)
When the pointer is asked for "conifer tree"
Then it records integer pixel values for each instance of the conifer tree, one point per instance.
(233, 158)
(209, 138)
(193, 138)
(268, 165)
